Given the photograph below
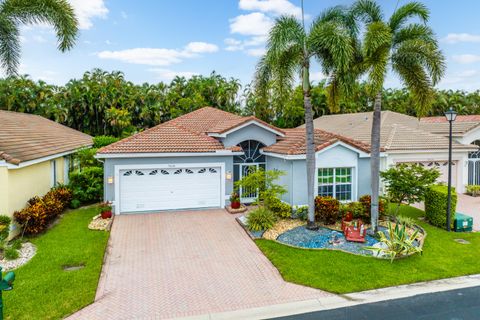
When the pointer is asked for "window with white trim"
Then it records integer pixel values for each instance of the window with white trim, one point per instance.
(335, 182)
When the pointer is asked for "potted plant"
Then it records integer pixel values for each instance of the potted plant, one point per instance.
(235, 200)
(106, 210)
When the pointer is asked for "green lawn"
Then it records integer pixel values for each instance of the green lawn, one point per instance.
(341, 272)
(42, 289)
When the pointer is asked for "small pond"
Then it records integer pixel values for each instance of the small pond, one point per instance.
(325, 238)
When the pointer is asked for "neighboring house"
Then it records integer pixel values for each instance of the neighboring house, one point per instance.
(34, 157)
(466, 130)
(193, 161)
(408, 139)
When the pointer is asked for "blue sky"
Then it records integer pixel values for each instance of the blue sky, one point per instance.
(155, 40)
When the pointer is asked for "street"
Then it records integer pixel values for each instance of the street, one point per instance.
(461, 304)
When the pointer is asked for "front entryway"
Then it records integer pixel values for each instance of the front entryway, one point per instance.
(252, 159)
(164, 188)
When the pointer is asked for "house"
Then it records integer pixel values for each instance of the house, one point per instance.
(34, 156)
(406, 139)
(193, 161)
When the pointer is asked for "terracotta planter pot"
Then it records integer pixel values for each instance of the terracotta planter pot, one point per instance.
(106, 214)
(348, 216)
(235, 204)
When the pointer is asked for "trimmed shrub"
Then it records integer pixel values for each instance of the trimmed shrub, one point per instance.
(366, 201)
(354, 207)
(102, 141)
(87, 185)
(301, 213)
(327, 209)
(436, 199)
(280, 208)
(260, 219)
(40, 212)
(473, 190)
(4, 227)
(11, 253)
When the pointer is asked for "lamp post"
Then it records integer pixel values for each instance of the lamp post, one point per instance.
(451, 115)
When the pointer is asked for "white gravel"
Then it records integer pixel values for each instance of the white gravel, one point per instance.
(26, 253)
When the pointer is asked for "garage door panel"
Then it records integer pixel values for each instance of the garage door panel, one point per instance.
(170, 188)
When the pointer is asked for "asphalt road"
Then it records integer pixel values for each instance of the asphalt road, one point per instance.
(461, 304)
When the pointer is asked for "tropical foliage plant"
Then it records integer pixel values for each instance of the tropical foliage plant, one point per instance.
(260, 219)
(407, 48)
(397, 243)
(290, 49)
(327, 209)
(14, 13)
(408, 183)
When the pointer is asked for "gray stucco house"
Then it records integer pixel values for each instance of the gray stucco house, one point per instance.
(193, 161)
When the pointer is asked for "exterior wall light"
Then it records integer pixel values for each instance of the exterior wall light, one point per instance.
(228, 175)
(110, 180)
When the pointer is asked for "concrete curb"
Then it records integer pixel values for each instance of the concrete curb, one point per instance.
(345, 300)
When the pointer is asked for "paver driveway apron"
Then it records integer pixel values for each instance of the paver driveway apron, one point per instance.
(177, 264)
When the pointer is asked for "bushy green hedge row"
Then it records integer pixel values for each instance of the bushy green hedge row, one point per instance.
(436, 198)
(87, 185)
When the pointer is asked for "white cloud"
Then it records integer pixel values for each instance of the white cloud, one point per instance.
(253, 24)
(466, 58)
(256, 52)
(275, 7)
(461, 37)
(464, 80)
(168, 75)
(124, 15)
(87, 10)
(233, 44)
(38, 38)
(317, 76)
(201, 47)
(159, 56)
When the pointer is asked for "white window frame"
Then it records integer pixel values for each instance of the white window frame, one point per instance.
(53, 167)
(334, 184)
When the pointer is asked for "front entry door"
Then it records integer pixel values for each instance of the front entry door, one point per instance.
(247, 195)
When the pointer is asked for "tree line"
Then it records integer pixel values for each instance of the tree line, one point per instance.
(105, 103)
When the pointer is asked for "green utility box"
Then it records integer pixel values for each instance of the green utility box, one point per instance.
(462, 222)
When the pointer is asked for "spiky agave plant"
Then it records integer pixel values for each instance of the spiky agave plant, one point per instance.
(398, 242)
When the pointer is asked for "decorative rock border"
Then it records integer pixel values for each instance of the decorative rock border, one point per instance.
(25, 254)
(98, 223)
(242, 209)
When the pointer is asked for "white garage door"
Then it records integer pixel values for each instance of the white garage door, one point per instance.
(442, 166)
(169, 188)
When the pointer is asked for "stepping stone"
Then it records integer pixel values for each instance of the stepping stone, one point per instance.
(462, 241)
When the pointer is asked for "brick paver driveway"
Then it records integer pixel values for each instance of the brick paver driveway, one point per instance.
(177, 264)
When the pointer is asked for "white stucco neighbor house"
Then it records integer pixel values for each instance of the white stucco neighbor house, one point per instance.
(193, 161)
(412, 140)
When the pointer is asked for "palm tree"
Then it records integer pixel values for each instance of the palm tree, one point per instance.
(290, 48)
(408, 49)
(13, 13)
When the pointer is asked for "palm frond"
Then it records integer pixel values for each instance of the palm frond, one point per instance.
(340, 14)
(407, 11)
(367, 11)
(9, 45)
(287, 32)
(414, 31)
(58, 13)
(424, 53)
(417, 81)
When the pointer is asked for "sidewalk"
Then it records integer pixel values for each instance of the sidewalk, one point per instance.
(346, 300)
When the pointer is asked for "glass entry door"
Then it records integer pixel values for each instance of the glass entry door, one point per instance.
(248, 195)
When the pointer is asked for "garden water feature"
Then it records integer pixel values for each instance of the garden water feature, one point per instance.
(325, 238)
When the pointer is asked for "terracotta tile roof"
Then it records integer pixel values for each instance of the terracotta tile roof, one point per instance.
(187, 133)
(25, 137)
(398, 131)
(460, 118)
(461, 125)
(294, 142)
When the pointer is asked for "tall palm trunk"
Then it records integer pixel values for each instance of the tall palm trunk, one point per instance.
(310, 146)
(375, 159)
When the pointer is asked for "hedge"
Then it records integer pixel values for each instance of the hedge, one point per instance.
(436, 199)
(87, 185)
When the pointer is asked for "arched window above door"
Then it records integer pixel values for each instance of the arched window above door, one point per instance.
(251, 149)
(475, 154)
